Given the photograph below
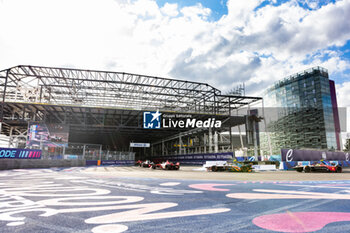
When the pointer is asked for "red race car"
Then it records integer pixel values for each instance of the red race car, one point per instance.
(167, 166)
(138, 163)
(321, 166)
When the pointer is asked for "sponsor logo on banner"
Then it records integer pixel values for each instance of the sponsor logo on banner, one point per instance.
(151, 120)
(289, 155)
(292, 155)
(157, 120)
(11, 153)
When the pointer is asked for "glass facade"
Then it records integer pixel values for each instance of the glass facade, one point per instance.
(304, 112)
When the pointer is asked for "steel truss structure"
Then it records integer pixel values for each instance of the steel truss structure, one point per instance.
(104, 101)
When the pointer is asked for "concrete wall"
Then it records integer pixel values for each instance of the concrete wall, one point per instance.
(39, 163)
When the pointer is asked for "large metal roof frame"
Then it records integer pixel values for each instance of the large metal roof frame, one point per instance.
(104, 101)
(89, 88)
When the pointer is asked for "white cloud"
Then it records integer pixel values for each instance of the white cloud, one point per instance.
(343, 98)
(343, 94)
(196, 12)
(170, 9)
(257, 47)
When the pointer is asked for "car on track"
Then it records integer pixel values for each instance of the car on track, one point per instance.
(321, 166)
(167, 165)
(233, 166)
(240, 167)
(146, 163)
(138, 163)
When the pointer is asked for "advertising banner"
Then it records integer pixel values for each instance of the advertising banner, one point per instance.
(14, 153)
(111, 162)
(196, 159)
(290, 155)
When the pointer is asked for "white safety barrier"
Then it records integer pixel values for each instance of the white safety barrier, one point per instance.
(264, 167)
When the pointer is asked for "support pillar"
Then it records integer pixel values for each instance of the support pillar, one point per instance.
(255, 142)
(210, 141)
(267, 132)
(240, 137)
(64, 151)
(216, 146)
(84, 149)
(100, 153)
(180, 145)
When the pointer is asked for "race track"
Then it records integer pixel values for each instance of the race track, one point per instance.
(116, 200)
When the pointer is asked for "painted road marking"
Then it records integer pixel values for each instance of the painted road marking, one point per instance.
(170, 184)
(210, 187)
(108, 204)
(110, 228)
(287, 194)
(299, 221)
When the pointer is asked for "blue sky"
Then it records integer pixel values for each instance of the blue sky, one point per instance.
(218, 7)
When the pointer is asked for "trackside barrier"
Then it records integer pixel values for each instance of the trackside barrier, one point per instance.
(289, 165)
(290, 155)
(39, 163)
(110, 162)
(195, 159)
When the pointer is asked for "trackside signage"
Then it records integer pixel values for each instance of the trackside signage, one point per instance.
(290, 155)
(12, 153)
(136, 144)
(157, 120)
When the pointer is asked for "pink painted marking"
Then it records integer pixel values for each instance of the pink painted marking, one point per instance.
(30, 154)
(209, 187)
(299, 221)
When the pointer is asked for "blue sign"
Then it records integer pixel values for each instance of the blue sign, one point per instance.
(111, 162)
(151, 120)
(14, 153)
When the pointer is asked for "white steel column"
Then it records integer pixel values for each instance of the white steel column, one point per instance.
(216, 146)
(210, 140)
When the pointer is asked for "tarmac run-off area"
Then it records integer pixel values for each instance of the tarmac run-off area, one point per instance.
(133, 199)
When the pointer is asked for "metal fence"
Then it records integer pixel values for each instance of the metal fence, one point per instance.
(85, 151)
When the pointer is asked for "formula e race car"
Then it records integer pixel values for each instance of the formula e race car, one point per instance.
(321, 166)
(138, 163)
(167, 165)
(147, 163)
(234, 166)
(240, 167)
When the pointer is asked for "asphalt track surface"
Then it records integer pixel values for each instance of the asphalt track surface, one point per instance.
(132, 199)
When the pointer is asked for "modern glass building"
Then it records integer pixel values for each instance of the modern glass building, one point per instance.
(304, 113)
